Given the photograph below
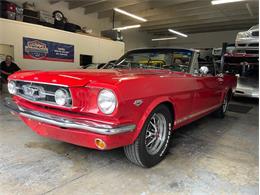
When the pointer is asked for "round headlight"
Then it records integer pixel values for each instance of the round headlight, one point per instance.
(12, 87)
(107, 101)
(61, 97)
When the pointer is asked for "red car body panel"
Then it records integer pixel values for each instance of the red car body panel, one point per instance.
(192, 95)
(189, 96)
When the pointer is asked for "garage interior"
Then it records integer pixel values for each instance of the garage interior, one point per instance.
(208, 156)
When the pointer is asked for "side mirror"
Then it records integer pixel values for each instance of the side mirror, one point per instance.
(204, 70)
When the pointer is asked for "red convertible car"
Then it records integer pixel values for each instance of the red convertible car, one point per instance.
(135, 103)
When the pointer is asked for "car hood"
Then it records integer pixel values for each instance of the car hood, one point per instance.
(83, 77)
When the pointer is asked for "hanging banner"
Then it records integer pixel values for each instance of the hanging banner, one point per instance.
(36, 49)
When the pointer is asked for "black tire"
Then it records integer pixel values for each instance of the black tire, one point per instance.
(221, 112)
(138, 152)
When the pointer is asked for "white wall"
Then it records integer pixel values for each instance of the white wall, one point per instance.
(201, 40)
(12, 33)
(6, 50)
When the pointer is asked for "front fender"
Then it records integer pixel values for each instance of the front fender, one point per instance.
(148, 111)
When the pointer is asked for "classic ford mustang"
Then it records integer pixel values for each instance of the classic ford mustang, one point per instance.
(135, 103)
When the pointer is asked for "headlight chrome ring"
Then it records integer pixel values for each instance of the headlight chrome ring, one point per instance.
(61, 97)
(107, 101)
(12, 87)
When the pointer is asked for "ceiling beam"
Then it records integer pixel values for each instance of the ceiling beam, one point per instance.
(240, 28)
(184, 6)
(77, 4)
(145, 5)
(161, 14)
(108, 5)
(202, 28)
(201, 12)
(193, 19)
(54, 1)
(197, 23)
(217, 29)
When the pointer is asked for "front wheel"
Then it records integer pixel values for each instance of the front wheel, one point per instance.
(220, 113)
(153, 141)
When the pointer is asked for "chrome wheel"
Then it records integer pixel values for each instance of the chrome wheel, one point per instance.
(225, 104)
(156, 133)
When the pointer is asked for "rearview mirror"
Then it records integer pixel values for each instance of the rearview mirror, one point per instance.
(204, 70)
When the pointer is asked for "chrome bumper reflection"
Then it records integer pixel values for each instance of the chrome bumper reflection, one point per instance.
(67, 122)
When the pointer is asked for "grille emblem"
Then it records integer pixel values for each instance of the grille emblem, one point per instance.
(34, 92)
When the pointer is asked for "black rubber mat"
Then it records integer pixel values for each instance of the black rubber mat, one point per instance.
(239, 108)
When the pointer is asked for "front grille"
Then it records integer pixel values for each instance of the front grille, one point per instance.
(255, 33)
(38, 92)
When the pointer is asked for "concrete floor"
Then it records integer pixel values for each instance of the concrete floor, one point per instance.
(218, 156)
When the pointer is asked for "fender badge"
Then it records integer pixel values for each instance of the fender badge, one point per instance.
(138, 102)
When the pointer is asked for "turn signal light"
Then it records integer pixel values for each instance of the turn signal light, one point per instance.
(100, 144)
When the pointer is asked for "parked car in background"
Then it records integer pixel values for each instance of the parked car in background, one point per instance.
(245, 64)
(216, 52)
(248, 39)
(248, 83)
(135, 103)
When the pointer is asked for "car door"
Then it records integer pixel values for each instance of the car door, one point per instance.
(208, 91)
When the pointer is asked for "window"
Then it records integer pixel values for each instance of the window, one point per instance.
(85, 60)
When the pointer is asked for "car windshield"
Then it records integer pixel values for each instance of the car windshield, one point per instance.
(172, 59)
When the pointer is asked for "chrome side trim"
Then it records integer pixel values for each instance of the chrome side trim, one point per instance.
(196, 114)
(63, 122)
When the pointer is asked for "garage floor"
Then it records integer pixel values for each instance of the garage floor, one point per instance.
(210, 155)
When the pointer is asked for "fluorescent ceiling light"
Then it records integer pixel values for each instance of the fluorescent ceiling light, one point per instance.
(178, 33)
(163, 39)
(127, 27)
(216, 2)
(130, 15)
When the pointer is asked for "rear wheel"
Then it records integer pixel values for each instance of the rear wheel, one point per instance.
(220, 113)
(153, 141)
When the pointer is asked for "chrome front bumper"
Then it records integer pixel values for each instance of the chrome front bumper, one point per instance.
(63, 122)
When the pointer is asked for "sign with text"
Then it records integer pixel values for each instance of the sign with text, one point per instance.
(36, 49)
